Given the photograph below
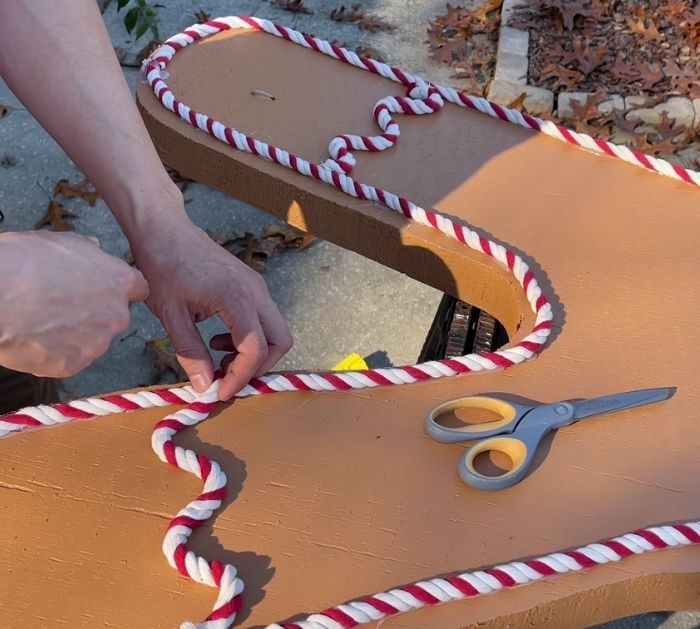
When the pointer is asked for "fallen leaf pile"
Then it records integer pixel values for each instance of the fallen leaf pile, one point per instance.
(665, 139)
(56, 215)
(466, 39)
(624, 47)
(356, 15)
(255, 252)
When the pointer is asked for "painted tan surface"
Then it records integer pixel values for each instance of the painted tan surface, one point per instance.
(336, 496)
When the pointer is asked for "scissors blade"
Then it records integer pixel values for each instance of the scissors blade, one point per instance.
(620, 402)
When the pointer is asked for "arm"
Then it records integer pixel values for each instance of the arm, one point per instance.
(58, 59)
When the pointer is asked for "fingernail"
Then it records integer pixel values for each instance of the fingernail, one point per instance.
(200, 383)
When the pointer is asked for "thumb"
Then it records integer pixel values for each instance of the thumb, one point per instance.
(192, 353)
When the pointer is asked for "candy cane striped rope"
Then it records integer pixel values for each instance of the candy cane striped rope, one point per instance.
(400, 600)
(211, 573)
(423, 99)
(92, 407)
(490, 580)
(162, 56)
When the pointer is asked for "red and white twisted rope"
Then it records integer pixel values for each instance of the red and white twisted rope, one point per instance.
(423, 98)
(372, 608)
(163, 55)
(489, 580)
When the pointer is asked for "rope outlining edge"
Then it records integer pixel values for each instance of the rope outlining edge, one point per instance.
(431, 592)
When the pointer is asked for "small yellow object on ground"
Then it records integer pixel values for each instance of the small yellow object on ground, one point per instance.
(353, 362)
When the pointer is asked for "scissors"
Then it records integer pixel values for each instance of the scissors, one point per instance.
(521, 428)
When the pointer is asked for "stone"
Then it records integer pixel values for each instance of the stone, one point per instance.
(679, 108)
(508, 7)
(689, 157)
(566, 112)
(634, 102)
(511, 67)
(696, 107)
(513, 41)
(537, 101)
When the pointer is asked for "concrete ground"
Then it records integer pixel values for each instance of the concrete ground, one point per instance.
(326, 293)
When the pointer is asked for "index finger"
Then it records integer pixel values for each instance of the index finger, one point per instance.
(250, 343)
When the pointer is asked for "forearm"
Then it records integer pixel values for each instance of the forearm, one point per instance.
(58, 59)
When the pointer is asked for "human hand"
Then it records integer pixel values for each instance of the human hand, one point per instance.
(191, 279)
(63, 301)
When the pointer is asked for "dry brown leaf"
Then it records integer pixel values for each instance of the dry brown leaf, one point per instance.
(237, 242)
(370, 53)
(4, 110)
(294, 6)
(563, 77)
(686, 85)
(645, 27)
(374, 23)
(81, 190)
(202, 16)
(587, 56)
(8, 161)
(586, 112)
(450, 52)
(488, 7)
(668, 138)
(676, 8)
(623, 70)
(55, 218)
(671, 137)
(518, 103)
(668, 127)
(356, 15)
(466, 40)
(288, 237)
(255, 252)
(162, 353)
(217, 237)
(569, 10)
(619, 121)
(650, 74)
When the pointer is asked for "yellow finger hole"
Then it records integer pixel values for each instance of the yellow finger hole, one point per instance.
(474, 414)
(500, 448)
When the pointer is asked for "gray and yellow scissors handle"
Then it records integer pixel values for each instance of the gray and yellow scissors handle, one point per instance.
(520, 429)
